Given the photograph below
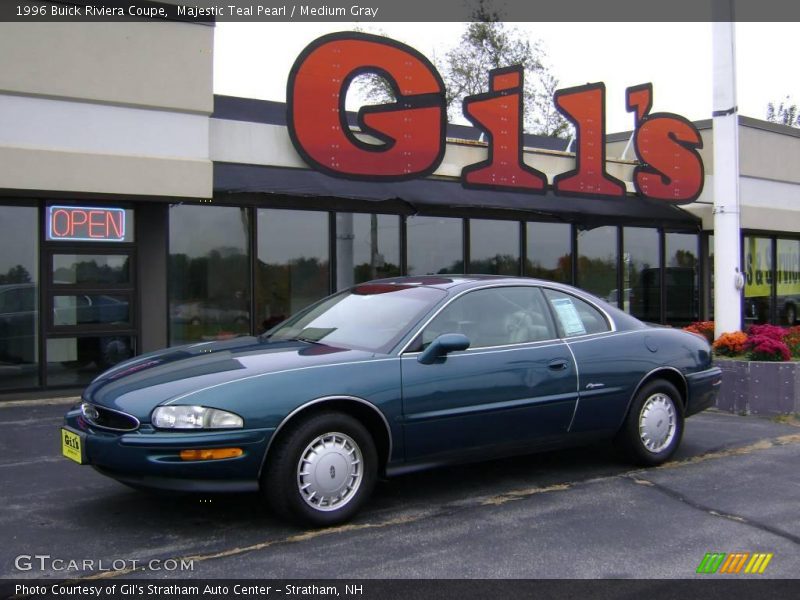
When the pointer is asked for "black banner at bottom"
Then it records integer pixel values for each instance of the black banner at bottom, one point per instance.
(387, 589)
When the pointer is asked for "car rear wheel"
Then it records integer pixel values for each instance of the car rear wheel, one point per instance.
(654, 426)
(322, 470)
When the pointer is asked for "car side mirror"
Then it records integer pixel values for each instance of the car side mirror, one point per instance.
(442, 345)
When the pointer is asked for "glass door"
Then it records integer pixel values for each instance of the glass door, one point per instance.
(90, 311)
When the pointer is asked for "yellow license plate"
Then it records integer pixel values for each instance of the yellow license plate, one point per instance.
(71, 446)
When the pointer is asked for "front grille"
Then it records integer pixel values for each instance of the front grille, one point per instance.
(111, 419)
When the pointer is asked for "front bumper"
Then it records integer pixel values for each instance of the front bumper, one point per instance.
(150, 458)
(703, 389)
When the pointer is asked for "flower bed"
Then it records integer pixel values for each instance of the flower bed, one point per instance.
(760, 368)
(758, 342)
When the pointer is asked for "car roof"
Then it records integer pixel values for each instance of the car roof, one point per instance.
(449, 281)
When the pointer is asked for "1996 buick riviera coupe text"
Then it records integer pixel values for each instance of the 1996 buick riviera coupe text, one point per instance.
(386, 377)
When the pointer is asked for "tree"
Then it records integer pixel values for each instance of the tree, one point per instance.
(487, 43)
(18, 274)
(785, 113)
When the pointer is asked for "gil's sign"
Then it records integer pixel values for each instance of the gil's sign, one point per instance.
(410, 132)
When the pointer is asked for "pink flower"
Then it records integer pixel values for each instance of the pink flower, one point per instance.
(762, 347)
(770, 331)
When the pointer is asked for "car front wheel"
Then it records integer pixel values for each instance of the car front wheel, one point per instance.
(322, 470)
(654, 426)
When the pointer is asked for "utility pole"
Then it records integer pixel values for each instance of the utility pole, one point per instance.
(728, 279)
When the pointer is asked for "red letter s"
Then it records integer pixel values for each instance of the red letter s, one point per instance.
(411, 130)
(667, 146)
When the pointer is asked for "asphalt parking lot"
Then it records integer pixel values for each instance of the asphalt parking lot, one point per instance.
(733, 487)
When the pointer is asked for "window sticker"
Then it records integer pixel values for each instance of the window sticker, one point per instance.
(569, 317)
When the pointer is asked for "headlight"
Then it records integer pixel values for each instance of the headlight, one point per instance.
(195, 417)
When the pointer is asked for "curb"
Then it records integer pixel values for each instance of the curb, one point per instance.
(41, 402)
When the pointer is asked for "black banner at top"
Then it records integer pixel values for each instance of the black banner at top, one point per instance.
(365, 11)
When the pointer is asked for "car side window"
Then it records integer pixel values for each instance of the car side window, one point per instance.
(575, 316)
(495, 317)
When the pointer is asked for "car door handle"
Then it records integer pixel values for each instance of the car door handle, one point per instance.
(559, 364)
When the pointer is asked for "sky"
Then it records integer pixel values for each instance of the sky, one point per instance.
(253, 59)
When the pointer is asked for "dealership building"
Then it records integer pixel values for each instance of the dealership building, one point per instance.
(138, 210)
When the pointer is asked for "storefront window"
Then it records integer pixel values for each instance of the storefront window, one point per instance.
(435, 245)
(91, 269)
(597, 262)
(680, 278)
(292, 269)
(19, 294)
(788, 281)
(209, 272)
(77, 360)
(758, 279)
(710, 277)
(641, 263)
(367, 247)
(549, 254)
(493, 247)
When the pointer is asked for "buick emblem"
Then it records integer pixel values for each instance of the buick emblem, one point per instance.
(333, 472)
(89, 412)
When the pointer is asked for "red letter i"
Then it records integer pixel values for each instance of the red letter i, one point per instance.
(499, 113)
(584, 106)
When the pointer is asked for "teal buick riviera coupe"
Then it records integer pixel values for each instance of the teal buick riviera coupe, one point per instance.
(386, 377)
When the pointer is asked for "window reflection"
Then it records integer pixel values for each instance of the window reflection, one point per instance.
(758, 279)
(292, 269)
(77, 360)
(435, 245)
(788, 281)
(680, 278)
(209, 272)
(92, 309)
(710, 291)
(597, 261)
(19, 314)
(494, 247)
(549, 253)
(91, 269)
(641, 274)
(367, 247)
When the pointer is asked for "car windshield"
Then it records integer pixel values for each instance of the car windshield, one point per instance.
(371, 317)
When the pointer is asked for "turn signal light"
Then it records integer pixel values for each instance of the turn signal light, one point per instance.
(211, 453)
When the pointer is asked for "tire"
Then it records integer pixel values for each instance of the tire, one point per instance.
(322, 447)
(653, 428)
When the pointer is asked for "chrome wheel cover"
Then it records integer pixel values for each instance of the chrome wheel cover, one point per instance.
(330, 471)
(657, 422)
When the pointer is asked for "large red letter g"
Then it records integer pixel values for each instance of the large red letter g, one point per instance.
(410, 131)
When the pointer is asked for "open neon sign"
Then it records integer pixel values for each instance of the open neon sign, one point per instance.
(85, 224)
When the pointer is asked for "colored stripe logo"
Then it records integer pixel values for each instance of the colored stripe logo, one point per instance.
(734, 563)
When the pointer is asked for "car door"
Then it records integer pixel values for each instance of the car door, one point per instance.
(603, 357)
(515, 384)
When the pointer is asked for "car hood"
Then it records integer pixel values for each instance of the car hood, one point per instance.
(137, 386)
